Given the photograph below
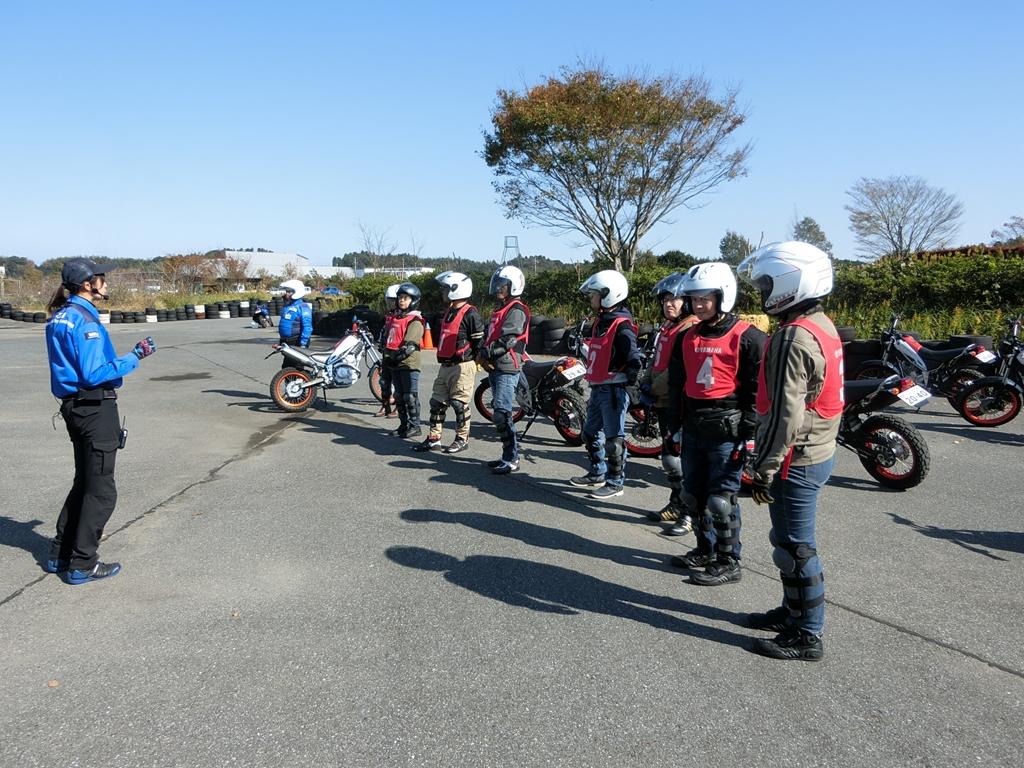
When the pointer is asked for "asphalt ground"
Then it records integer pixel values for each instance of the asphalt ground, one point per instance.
(305, 590)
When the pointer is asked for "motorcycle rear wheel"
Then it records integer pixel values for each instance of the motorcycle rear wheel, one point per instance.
(959, 380)
(482, 400)
(989, 405)
(643, 436)
(284, 389)
(570, 412)
(897, 455)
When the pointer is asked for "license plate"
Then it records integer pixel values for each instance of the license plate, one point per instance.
(987, 356)
(914, 396)
(575, 371)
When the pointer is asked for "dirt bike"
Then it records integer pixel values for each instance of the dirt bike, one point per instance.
(553, 389)
(996, 400)
(943, 372)
(294, 388)
(891, 449)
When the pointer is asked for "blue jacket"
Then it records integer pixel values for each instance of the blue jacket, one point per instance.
(81, 353)
(296, 320)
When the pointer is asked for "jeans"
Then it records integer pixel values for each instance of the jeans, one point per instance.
(606, 420)
(503, 393)
(711, 466)
(793, 515)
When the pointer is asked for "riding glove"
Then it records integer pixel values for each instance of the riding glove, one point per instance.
(145, 347)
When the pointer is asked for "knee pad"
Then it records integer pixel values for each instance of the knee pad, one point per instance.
(615, 451)
(720, 509)
(437, 405)
(461, 412)
(502, 420)
(803, 583)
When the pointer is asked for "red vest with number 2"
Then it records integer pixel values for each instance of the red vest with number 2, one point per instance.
(599, 351)
(829, 402)
(397, 328)
(712, 365)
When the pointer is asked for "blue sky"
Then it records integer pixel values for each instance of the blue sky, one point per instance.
(134, 129)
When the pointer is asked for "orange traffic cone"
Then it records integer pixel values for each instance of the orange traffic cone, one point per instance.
(428, 340)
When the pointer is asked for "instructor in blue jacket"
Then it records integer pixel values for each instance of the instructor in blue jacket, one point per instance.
(296, 324)
(85, 373)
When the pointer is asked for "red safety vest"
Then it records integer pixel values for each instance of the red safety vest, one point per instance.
(712, 365)
(829, 402)
(666, 340)
(599, 351)
(498, 320)
(397, 327)
(446, 349)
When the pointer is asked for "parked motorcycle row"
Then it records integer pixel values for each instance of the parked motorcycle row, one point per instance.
(985, 387)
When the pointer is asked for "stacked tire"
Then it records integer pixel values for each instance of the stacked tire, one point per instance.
(553, 332)
(5, 311)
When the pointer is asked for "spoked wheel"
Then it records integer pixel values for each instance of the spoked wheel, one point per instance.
(286, 389)
(989, 404)
(874, 371)
(643, 436)
(569, 415)
(893, 451)
(482, 399)
(960, 379)
(374, 379)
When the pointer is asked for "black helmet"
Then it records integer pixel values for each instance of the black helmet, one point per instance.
(80, 270)
(410, 290)
(672, 285)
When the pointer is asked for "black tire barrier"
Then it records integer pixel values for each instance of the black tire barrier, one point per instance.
(559, 347)
(553, 337)
(152, 311)
(962, 340)
(846, 333)
(115, 318)
(552, 324)
(128, 318)
(17, 314)
(39, 317)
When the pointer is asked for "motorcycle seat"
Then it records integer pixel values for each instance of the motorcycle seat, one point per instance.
(941, 355)
(857, 389)
(536, 371)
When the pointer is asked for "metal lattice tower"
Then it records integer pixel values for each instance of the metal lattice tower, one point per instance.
(511, 252)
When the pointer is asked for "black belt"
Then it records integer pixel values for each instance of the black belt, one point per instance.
(450, 363)
(90, 396)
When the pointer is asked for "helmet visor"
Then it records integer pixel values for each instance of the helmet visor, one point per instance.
(496, 282)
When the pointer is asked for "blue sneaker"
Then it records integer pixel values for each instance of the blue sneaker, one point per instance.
(56, 566)
(97, 572)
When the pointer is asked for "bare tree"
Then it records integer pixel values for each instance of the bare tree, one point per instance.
(901, 215)
(611, 157)
(1012, 232)
(376, 243)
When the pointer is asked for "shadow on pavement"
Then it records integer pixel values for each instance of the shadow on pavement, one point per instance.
(989, 435)
(859, 484)
(540, 536)
(552, 589)
(979, 542)
(22, 535)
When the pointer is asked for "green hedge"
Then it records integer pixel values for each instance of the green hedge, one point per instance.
(972, 290)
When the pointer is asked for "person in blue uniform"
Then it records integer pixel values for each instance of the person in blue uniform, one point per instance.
(85, 373)
(296, 324)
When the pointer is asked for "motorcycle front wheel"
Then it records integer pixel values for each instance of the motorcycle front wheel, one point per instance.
(989, 404)
(569, 414)
(374, 379)
(893, 451)
(643, 436)
(482, 400)
(286, 390)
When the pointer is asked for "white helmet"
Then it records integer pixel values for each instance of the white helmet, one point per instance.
(297, 287)
(611, 285)
(391, 296)
(787, 274)
(713, 276)
(455, 285)
(508, 275)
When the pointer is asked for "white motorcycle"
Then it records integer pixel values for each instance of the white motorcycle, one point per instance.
(294, 388)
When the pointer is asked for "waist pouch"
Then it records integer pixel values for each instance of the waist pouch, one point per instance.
(716, 424)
